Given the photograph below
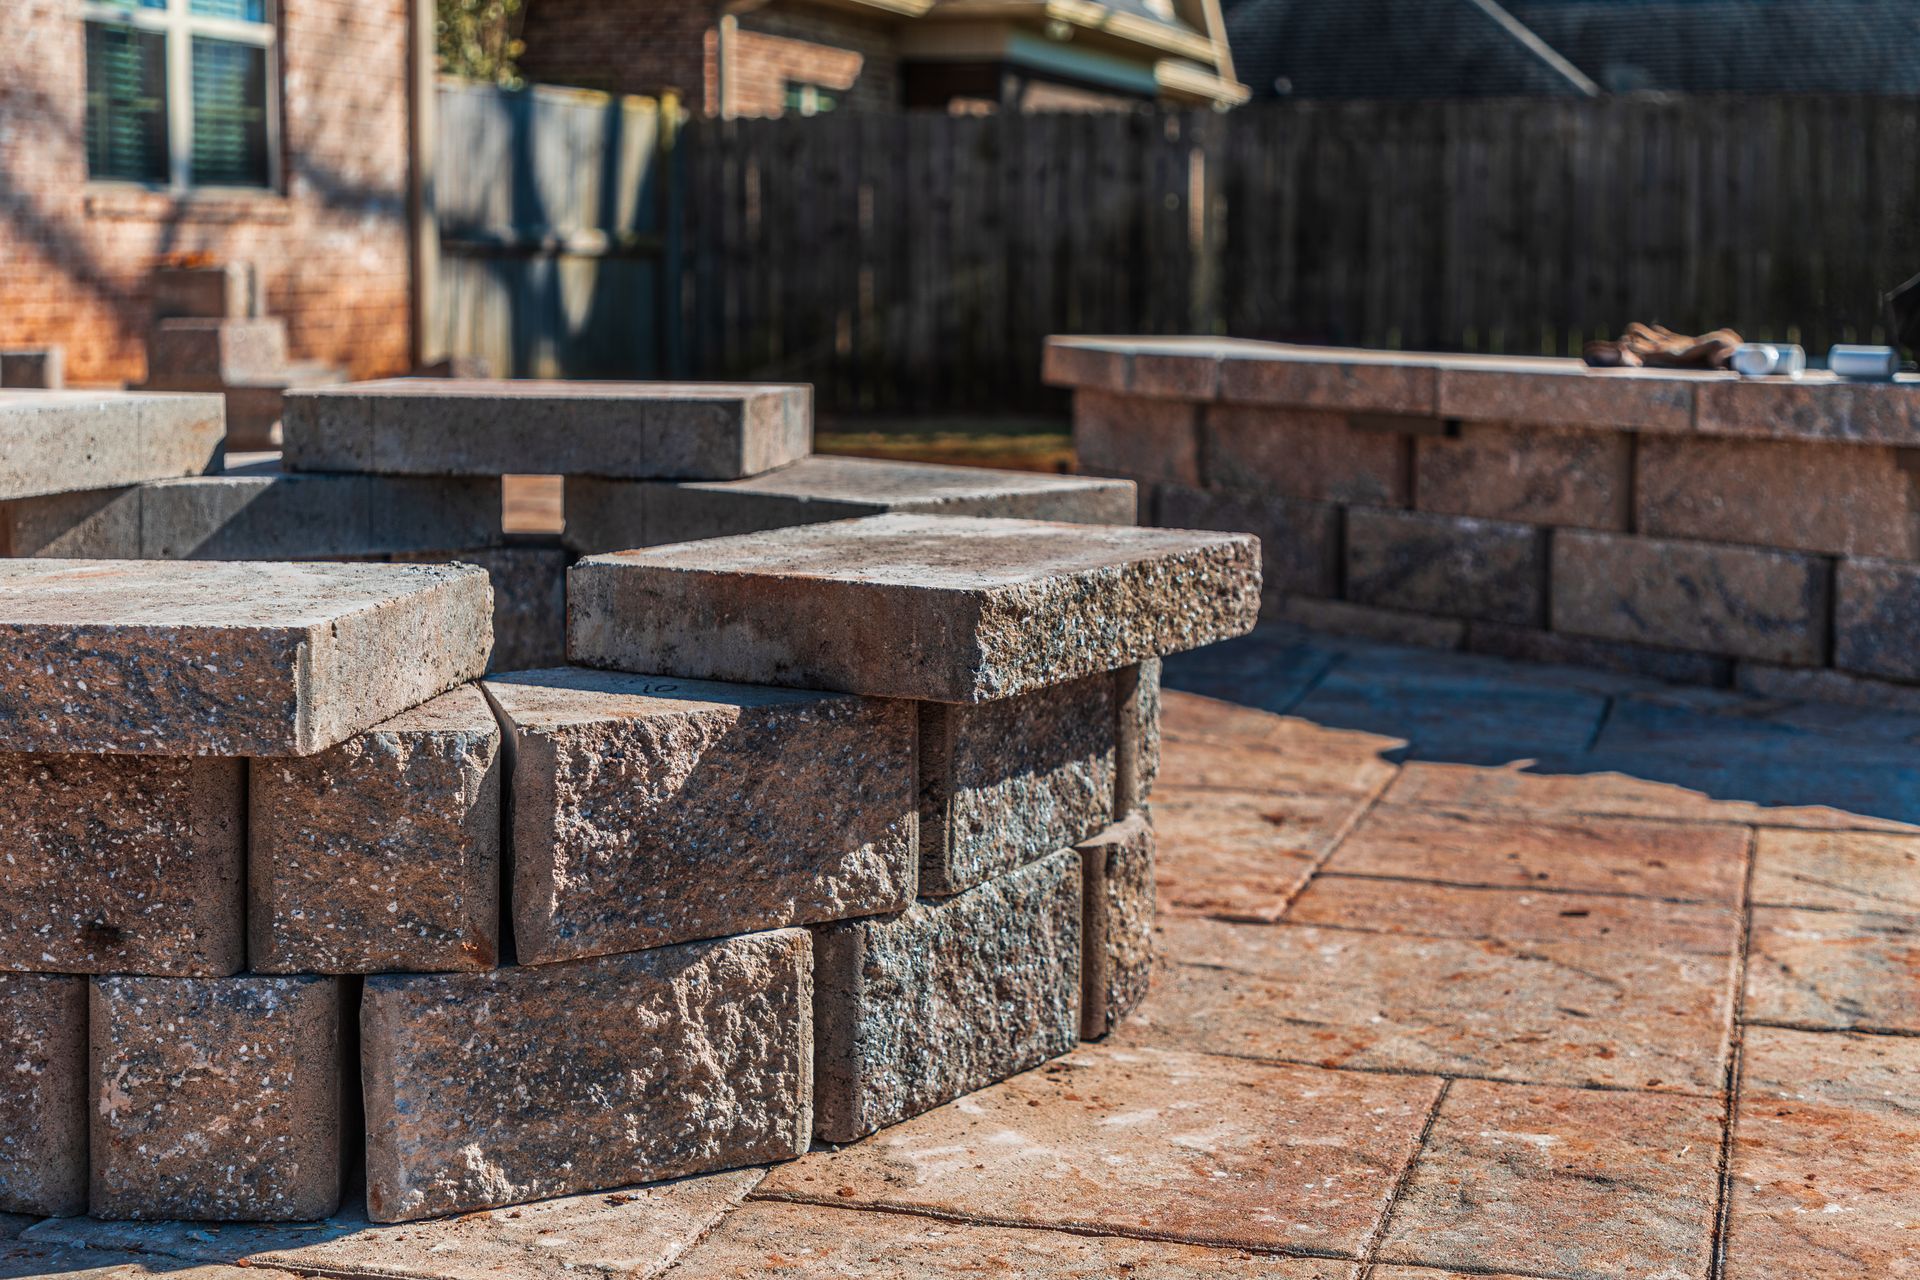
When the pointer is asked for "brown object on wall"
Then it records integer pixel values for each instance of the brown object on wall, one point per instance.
(1653, 346)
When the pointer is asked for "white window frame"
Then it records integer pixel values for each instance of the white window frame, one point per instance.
(179, 25)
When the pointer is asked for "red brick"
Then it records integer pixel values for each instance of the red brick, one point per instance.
(1134, 436)
(1304, 453)
(653, 48)
(336, 268)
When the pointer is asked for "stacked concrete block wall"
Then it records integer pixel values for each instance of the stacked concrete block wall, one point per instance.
(1688, 525)
(157, 1069)
(1025, 656)
(432, 491)
(290, 890)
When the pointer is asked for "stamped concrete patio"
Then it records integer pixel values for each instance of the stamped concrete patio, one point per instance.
(1468, 968)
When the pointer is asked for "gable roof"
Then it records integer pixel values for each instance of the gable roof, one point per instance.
(1393, 49)
(1484, 48)
(1735, 46)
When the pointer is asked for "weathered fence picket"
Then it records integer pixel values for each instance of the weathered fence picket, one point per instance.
(914, 262)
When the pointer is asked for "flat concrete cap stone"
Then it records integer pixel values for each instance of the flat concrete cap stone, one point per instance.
(946, 609)
(623, 430)
(617, 515)
(69, 441)
(227, 658)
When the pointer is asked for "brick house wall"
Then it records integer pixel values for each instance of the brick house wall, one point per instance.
(333, 248)
(623, 48)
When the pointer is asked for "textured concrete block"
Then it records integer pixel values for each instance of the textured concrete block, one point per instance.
(1299, 541)
(1329, 378)
(947, 609)
(41, 368)
(1566, 393)
(1876, 617)
(227, 291)
(1066, 363)
(292, 517)
(97, 524)
(648, 811)
(1531, 644)
(1842, 499)
(627, 430)
(217, 1098)
(68, 441)
(1005, 783)
(1304, 453)
(947, 997)
(1135, 436)
(1532, 474)
(1448, 565)
(1386, 626)
(1814, 408)
(615, 515)
(205, 355)
(1116, 923)
(381, 854)
(43, 1108)
(486, 1089)
(227, 658)
(529, 578)
(1136, 697)
(1748, 603)
(122, 864)
(1809, 684)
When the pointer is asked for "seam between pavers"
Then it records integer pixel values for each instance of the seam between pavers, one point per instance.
(1370, 1256)
(1736, 1053)
(1527, 888)
(1028, 1224)
(1538, 812)
(1527, 1082)
(672, 1264)
(1601, 722)
(1518, 942)
(1368, 803)
(1820, 1028)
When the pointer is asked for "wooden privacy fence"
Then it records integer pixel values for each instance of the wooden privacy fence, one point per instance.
(915, 262)
(553, 215)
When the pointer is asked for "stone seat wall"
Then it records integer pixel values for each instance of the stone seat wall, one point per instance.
(288, 888)
(1692, 526)
(433, 491)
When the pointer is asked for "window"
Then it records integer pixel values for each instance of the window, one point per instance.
(805, 99)
(180, 93)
